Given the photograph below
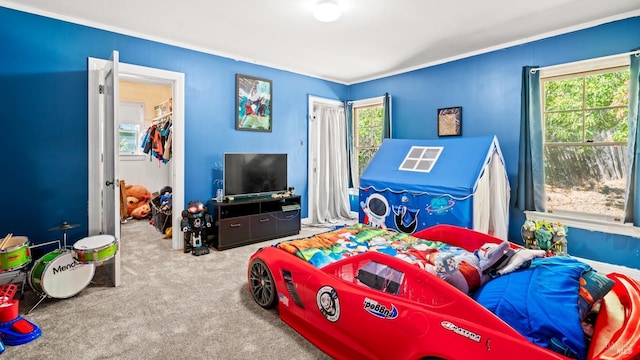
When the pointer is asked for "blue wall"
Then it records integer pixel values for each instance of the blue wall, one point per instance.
(488, 87)
(43, 73)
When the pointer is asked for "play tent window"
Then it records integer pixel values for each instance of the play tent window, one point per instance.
(421, 158)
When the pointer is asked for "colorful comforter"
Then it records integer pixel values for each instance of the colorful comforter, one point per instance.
(326, 248)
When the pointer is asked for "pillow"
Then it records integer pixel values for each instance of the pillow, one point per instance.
(593, 287)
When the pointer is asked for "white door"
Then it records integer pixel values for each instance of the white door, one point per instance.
(110, 185)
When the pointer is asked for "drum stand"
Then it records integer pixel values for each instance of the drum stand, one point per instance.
(42, 297)
(64, 227)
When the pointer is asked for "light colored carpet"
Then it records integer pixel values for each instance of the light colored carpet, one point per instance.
(170, 305)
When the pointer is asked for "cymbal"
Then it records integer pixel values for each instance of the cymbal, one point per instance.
(65, 226)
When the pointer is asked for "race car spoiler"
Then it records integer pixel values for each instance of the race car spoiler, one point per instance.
(616, 333)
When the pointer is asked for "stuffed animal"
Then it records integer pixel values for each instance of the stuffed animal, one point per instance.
(141, 212)
(138, 198)
(132, 204)
(137, 191)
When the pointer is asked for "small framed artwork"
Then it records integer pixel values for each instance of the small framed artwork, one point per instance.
(450, 121)
(253, 103)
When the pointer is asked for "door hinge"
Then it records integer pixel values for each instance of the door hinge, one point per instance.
(100, 89)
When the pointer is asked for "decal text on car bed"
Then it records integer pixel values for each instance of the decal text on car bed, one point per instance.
(460, 331)
(379, 310)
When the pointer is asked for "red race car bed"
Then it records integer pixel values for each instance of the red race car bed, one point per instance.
(443, 293)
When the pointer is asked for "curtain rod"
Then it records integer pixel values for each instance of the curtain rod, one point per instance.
(373, 100)
(634, 52)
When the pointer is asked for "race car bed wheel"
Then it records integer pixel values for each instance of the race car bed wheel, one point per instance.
(263, 288)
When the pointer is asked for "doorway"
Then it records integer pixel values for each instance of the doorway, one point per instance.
(141, 109)
(140, 74)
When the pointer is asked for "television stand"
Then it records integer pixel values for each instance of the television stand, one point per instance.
(249, 220)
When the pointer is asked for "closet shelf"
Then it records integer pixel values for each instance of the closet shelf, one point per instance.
(162, 116)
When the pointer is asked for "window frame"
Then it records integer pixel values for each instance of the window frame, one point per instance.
(426, 156)
(356, 105)
(135, 134)
(582, 220)
(132, 113)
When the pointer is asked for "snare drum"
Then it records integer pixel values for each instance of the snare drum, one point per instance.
(16, 254)
(58, 275)
(95, 249)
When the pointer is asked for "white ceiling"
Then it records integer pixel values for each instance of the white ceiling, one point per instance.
(373, 38)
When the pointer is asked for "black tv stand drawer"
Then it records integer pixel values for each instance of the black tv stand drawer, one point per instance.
(246, 221)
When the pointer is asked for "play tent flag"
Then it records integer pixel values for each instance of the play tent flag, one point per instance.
(410, 185)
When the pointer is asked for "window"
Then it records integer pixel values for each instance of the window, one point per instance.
(367, 129)
(130, 130)
(421, 158)
(129, 139)
(585, 117)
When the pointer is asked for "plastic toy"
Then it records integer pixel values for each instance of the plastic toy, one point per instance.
(166, 198)
(14, 329)
(194, 224)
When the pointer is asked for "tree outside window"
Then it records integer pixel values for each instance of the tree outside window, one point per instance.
(129, 139)
(368, 125)
(585, 141)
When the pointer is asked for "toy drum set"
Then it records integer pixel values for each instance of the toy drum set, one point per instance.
(63, 272)
(14, 253)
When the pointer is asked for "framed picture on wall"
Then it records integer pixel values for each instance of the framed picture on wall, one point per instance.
(253, 103)
(450, 121)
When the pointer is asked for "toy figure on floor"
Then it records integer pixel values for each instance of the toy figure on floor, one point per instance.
(166, 198)
(194, 224)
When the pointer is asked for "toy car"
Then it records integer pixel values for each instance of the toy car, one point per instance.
(370, 305)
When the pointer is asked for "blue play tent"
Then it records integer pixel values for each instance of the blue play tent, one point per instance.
(410, 185)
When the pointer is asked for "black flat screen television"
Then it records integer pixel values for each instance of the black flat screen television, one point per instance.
(254, 174)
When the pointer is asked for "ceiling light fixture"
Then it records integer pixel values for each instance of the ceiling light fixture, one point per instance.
(327, 11)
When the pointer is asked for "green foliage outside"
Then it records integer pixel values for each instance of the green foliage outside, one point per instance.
(591, 108)
(586, 132)
(369, 134)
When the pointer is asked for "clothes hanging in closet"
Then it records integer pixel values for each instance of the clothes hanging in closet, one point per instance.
(157, 141)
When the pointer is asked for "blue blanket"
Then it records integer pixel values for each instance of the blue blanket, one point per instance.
(541, 303)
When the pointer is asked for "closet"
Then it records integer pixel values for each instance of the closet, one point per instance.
(140, 168)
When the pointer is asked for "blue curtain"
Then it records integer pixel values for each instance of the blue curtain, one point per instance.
(632, 207)
(530, 186)
(386, 117)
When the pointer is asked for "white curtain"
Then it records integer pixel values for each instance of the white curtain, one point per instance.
(482, 202)
(491, 200)
(501, 196)
(331, 180)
